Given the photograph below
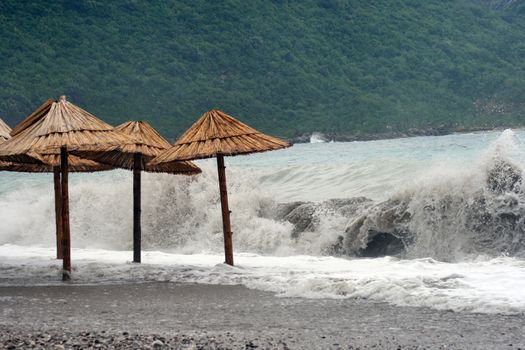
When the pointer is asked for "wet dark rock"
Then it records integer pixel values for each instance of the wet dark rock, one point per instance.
(348, 207)
(438, 222)
(303, 219)
(383, 244)
(280, 210)
(304, 138)
(383, 230)
(305, 216)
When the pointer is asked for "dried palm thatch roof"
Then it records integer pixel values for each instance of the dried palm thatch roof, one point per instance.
(4, 131)
(218, 133)
(147, 142)
(76, 165)
(57, 124)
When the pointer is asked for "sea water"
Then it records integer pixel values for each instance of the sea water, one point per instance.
(423, 221)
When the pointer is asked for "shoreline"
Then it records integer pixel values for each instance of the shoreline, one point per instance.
(221, 316)
(328, 137)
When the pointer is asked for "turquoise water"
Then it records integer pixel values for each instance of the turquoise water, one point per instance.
(374, 169)
(320, 171)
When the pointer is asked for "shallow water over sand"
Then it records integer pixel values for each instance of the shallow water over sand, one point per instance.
(492, 286)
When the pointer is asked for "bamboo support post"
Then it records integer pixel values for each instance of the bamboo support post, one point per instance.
(66, 239)
(226, 226)
(137, 167)
(58, 210)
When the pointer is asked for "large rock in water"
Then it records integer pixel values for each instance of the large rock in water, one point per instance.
(348, 207)
(303, 219)
(438, 223)
(305, 216)
(381, 231)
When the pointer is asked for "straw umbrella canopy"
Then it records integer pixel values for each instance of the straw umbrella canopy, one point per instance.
(52, 162)
(49, 161)
(147, 144)
(4, 131)
(56, 128)
(217, 134)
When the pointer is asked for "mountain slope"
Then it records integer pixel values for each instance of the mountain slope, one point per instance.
(286, 67)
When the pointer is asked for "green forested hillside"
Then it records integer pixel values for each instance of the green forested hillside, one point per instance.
(287, 67)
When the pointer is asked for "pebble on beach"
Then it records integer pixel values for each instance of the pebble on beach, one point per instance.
(12, 338)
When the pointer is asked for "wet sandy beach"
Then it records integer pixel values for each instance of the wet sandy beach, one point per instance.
(158, 315)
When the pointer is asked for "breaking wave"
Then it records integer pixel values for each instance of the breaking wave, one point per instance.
(317, 137)
(449, 213)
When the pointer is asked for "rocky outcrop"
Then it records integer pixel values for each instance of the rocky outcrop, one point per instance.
(439, 222)
(305, 216)
(381, 231)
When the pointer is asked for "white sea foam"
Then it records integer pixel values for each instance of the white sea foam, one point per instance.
(317, 137)
(486, 286)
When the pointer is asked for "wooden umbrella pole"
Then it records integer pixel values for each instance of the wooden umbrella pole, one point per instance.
(66, 239)
(137, 167)
(226, 226)
(58, 210)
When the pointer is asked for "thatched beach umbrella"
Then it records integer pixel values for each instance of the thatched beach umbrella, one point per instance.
(147, 144)
(56, 128)
(52, 165)
(4, 131)
(217, 134)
